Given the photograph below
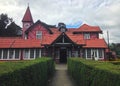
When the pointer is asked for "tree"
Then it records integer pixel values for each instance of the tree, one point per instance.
(116, 48)
(13, 30)
(8, 27)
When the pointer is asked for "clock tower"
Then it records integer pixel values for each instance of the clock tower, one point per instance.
(27, 21)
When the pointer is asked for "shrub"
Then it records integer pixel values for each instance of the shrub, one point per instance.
(26, 73)
(94, 73)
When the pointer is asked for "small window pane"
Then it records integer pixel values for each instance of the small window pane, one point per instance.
(86, 36)
(5, 53)
(0, 54)
(88, 53)
(38, 34)
(11, 53)
(17, 54)
(26, 54)
(37, 53)
(31, 53)
(100, 53)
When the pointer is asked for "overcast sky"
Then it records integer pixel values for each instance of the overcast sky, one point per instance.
(103, 13)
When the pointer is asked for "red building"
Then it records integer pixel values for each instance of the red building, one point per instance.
(39, 39)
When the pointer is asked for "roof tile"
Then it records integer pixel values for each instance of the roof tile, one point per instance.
(95, 43)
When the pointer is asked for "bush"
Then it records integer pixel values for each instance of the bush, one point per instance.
(26, 73)
(94, 73)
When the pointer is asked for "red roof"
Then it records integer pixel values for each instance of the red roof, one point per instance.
(87, 28)
(27, 17)
(48, 39)
(95, 43)
(19, 43)
(76, 38)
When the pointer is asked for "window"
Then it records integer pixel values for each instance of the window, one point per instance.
(37, 53)
(31, 53)
(88, 53)
(86, 36)
(100, 53)
(5, 54)
(17, 54)
(26, 53)
(0, 53)
(62, 29)
(95, 54)
(11, 54)
(69, 53)
(38, 34)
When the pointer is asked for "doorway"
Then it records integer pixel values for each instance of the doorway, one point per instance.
(63, 56)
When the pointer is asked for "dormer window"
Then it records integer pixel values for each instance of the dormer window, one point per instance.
(38, 34)
(62, 27)
(86, 36)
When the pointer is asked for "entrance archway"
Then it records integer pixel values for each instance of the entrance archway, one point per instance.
(63, 55)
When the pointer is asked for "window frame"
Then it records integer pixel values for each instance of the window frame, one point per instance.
(38, 34)
(86, 35)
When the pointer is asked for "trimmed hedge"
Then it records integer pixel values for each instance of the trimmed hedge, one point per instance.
(94, 73)
(26, 73)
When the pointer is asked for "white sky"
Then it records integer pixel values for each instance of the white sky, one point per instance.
(103, 13)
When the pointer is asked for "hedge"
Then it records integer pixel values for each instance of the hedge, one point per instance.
(26, 73)
(94, 73)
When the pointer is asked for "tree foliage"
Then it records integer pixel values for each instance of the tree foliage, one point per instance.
(115, 47)
(8, 27)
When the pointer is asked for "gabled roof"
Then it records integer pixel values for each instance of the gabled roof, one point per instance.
(27, 16)
(95, 43)
(48, 39)
(19, 43)
(76, 38)
(40, 23)
(88, 28)
(61, 35)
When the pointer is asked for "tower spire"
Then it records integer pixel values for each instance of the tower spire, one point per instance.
(27, 21)
(27, 16)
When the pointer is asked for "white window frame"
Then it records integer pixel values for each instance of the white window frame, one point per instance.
(102, 54)
(6, 55)
(33, 54)
(76, 53)
(28, 53)
(86, 35)
(95, 56)
(62, 29)
(13, 56)
(40, 53)
(19, 54)
(38, 34)
(86, 51)
(1, 54)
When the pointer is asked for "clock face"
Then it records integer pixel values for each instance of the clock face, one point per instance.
(26, 25)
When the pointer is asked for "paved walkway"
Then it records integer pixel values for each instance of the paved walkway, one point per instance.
(61, 77)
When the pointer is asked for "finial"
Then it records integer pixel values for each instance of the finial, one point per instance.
(28, 4)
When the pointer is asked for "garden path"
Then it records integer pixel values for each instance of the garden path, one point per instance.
(61, 77)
